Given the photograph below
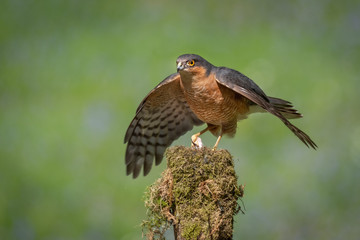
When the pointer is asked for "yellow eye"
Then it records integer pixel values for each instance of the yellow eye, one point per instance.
(191, 63)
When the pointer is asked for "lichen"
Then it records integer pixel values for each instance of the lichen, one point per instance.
(197, 193)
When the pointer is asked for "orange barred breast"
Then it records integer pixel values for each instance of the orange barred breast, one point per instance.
(213, 103)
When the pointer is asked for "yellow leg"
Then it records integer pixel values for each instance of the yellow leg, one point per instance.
(218, 140)
(195, 136)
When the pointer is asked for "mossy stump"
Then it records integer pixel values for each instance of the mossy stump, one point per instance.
(197, 194)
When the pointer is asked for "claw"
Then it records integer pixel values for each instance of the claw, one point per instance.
(196, 143)
(193, 141)
(193, 144)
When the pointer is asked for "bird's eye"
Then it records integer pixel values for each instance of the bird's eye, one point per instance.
(191, 63)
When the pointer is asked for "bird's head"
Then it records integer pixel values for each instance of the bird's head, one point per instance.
(192, 63)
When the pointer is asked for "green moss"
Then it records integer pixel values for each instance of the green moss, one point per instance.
(191, 231)
(198, 193)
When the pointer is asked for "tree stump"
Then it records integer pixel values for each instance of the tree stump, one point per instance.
(197, 194)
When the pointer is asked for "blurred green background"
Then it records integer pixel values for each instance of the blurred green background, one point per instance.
(73, 72)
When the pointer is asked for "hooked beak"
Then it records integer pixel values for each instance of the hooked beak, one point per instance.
(180, 66)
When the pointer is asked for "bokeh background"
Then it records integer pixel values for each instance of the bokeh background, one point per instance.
(73, 72)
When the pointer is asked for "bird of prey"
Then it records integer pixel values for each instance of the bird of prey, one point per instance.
(198, 93)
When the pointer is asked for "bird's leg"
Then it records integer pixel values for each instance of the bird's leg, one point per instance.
(218, 140)
(196, 136)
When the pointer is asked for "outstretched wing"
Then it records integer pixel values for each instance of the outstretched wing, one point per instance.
(247, 88)
(162, 117)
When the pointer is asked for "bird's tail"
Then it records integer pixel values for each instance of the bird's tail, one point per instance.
(285, 108)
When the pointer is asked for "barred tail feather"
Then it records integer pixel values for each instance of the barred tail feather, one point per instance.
(285, 108)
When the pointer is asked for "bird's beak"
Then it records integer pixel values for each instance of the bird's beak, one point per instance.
(180, 66)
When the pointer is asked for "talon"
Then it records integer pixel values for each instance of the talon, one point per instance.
(193, 141)
(197, 143)
(193, 144)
